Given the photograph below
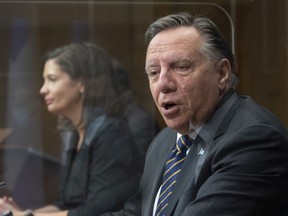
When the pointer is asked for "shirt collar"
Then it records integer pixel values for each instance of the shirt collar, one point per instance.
(193, 132)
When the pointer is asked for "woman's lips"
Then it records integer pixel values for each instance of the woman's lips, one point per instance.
(48, 101)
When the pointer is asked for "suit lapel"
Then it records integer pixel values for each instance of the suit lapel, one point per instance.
(69, 140)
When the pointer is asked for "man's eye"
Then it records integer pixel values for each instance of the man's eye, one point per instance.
(183, 67)
(153, 73)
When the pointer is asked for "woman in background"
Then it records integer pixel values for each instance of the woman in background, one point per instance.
(101, 168)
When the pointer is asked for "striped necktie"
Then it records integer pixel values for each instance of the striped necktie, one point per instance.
(172, 169)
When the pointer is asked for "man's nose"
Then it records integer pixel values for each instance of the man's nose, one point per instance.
(166, 82)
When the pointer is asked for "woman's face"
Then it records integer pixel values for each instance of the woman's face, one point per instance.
(61, 93)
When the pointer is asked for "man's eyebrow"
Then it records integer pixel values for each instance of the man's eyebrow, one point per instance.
(179, 61)
(149, 65)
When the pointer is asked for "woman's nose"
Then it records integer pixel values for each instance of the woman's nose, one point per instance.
(43, 90)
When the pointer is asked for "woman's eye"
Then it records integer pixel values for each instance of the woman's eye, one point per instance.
(52, 78)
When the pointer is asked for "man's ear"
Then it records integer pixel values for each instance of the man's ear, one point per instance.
(224, 73)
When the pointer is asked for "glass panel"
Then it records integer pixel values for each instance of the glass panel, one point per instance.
(30, 143)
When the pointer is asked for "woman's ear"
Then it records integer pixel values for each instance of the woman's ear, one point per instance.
(224, 73)
(82, 87)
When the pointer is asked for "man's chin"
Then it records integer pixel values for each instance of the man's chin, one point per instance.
(180, 128)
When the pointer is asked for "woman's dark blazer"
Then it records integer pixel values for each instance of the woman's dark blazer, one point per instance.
(103, 173)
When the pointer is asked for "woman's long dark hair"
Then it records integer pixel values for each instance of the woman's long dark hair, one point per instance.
(93, 66)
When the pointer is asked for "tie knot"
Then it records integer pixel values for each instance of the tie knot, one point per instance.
(184, 143)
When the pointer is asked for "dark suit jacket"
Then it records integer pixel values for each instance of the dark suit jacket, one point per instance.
(103, 173)
(243, 171)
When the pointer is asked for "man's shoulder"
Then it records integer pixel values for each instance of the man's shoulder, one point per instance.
(253, 112)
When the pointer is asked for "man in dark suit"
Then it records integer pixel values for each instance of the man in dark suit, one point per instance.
(238, 161)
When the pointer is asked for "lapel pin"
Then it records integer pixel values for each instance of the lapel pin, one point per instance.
(201, 152)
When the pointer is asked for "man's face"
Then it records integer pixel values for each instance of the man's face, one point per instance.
(185, 85)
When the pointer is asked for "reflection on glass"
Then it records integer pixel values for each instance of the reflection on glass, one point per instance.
(27, 30)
